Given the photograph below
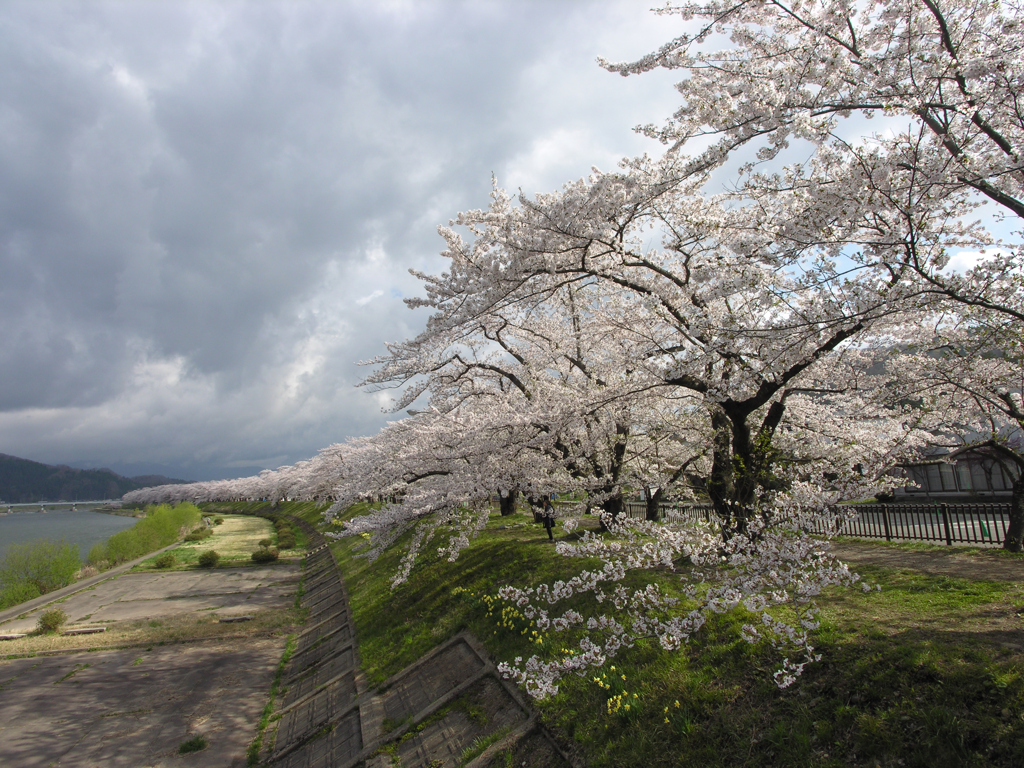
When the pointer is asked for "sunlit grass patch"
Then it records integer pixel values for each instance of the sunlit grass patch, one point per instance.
(234, 540)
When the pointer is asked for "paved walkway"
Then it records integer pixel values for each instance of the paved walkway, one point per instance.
(134, 707)
(131, 707)
(223, 592)
(449, 708)
(984, 565)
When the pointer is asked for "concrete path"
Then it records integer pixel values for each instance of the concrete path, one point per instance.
(135, 707)
(126, 596)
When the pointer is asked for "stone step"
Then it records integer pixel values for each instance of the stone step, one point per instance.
(83, 630)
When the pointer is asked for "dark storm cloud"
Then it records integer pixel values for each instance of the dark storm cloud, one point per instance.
(207, 211)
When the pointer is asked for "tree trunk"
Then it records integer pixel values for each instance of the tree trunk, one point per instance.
(1015, 531)
(507, 502)
(722, 479)
(742, 464)
(613, 506)
(653, 502)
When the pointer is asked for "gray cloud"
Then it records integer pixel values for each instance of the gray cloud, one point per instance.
(208, 211)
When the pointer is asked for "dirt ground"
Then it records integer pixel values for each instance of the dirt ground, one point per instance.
(959, 562)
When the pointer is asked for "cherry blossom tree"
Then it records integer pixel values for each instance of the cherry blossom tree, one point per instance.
(639, 325)
(717, 313)
(944, 76)
(551, 360)
(967, 374)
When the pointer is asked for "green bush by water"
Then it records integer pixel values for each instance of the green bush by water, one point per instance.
(35, 568)
(162, 525)
(20, 592)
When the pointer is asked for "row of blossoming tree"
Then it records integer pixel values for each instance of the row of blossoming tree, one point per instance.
(765, 317)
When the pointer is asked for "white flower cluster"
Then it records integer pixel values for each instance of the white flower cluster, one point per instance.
(776, 563)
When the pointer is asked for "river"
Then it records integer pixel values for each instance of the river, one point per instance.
(81, 526)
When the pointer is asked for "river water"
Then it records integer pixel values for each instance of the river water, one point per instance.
(81, 526)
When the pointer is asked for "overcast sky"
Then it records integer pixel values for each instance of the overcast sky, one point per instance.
(208, 211)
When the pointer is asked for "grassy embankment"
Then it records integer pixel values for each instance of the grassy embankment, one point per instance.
(927, 672)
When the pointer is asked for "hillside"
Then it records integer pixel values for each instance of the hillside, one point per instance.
(23, 481)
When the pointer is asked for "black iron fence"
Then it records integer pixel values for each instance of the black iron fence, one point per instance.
(983, 524)
(949, 523)
(637, 510)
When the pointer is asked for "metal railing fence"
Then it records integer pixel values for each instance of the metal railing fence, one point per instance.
(972, 523)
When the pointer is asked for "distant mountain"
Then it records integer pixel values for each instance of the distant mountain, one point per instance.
(148, 481)
(23, 482)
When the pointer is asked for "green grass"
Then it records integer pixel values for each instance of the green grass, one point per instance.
(162, 525)
(256, 745)
(481, 743)
(927, 672)
(195, 744)
(235, 540)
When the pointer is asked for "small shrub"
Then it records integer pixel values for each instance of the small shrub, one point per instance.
(51, 621)
(202, 533)
(165, 560)
(265, 542)
(285, 542)
(195, 744)
(209, 559)
(264, 555)
(218, 521)
(86, 572)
